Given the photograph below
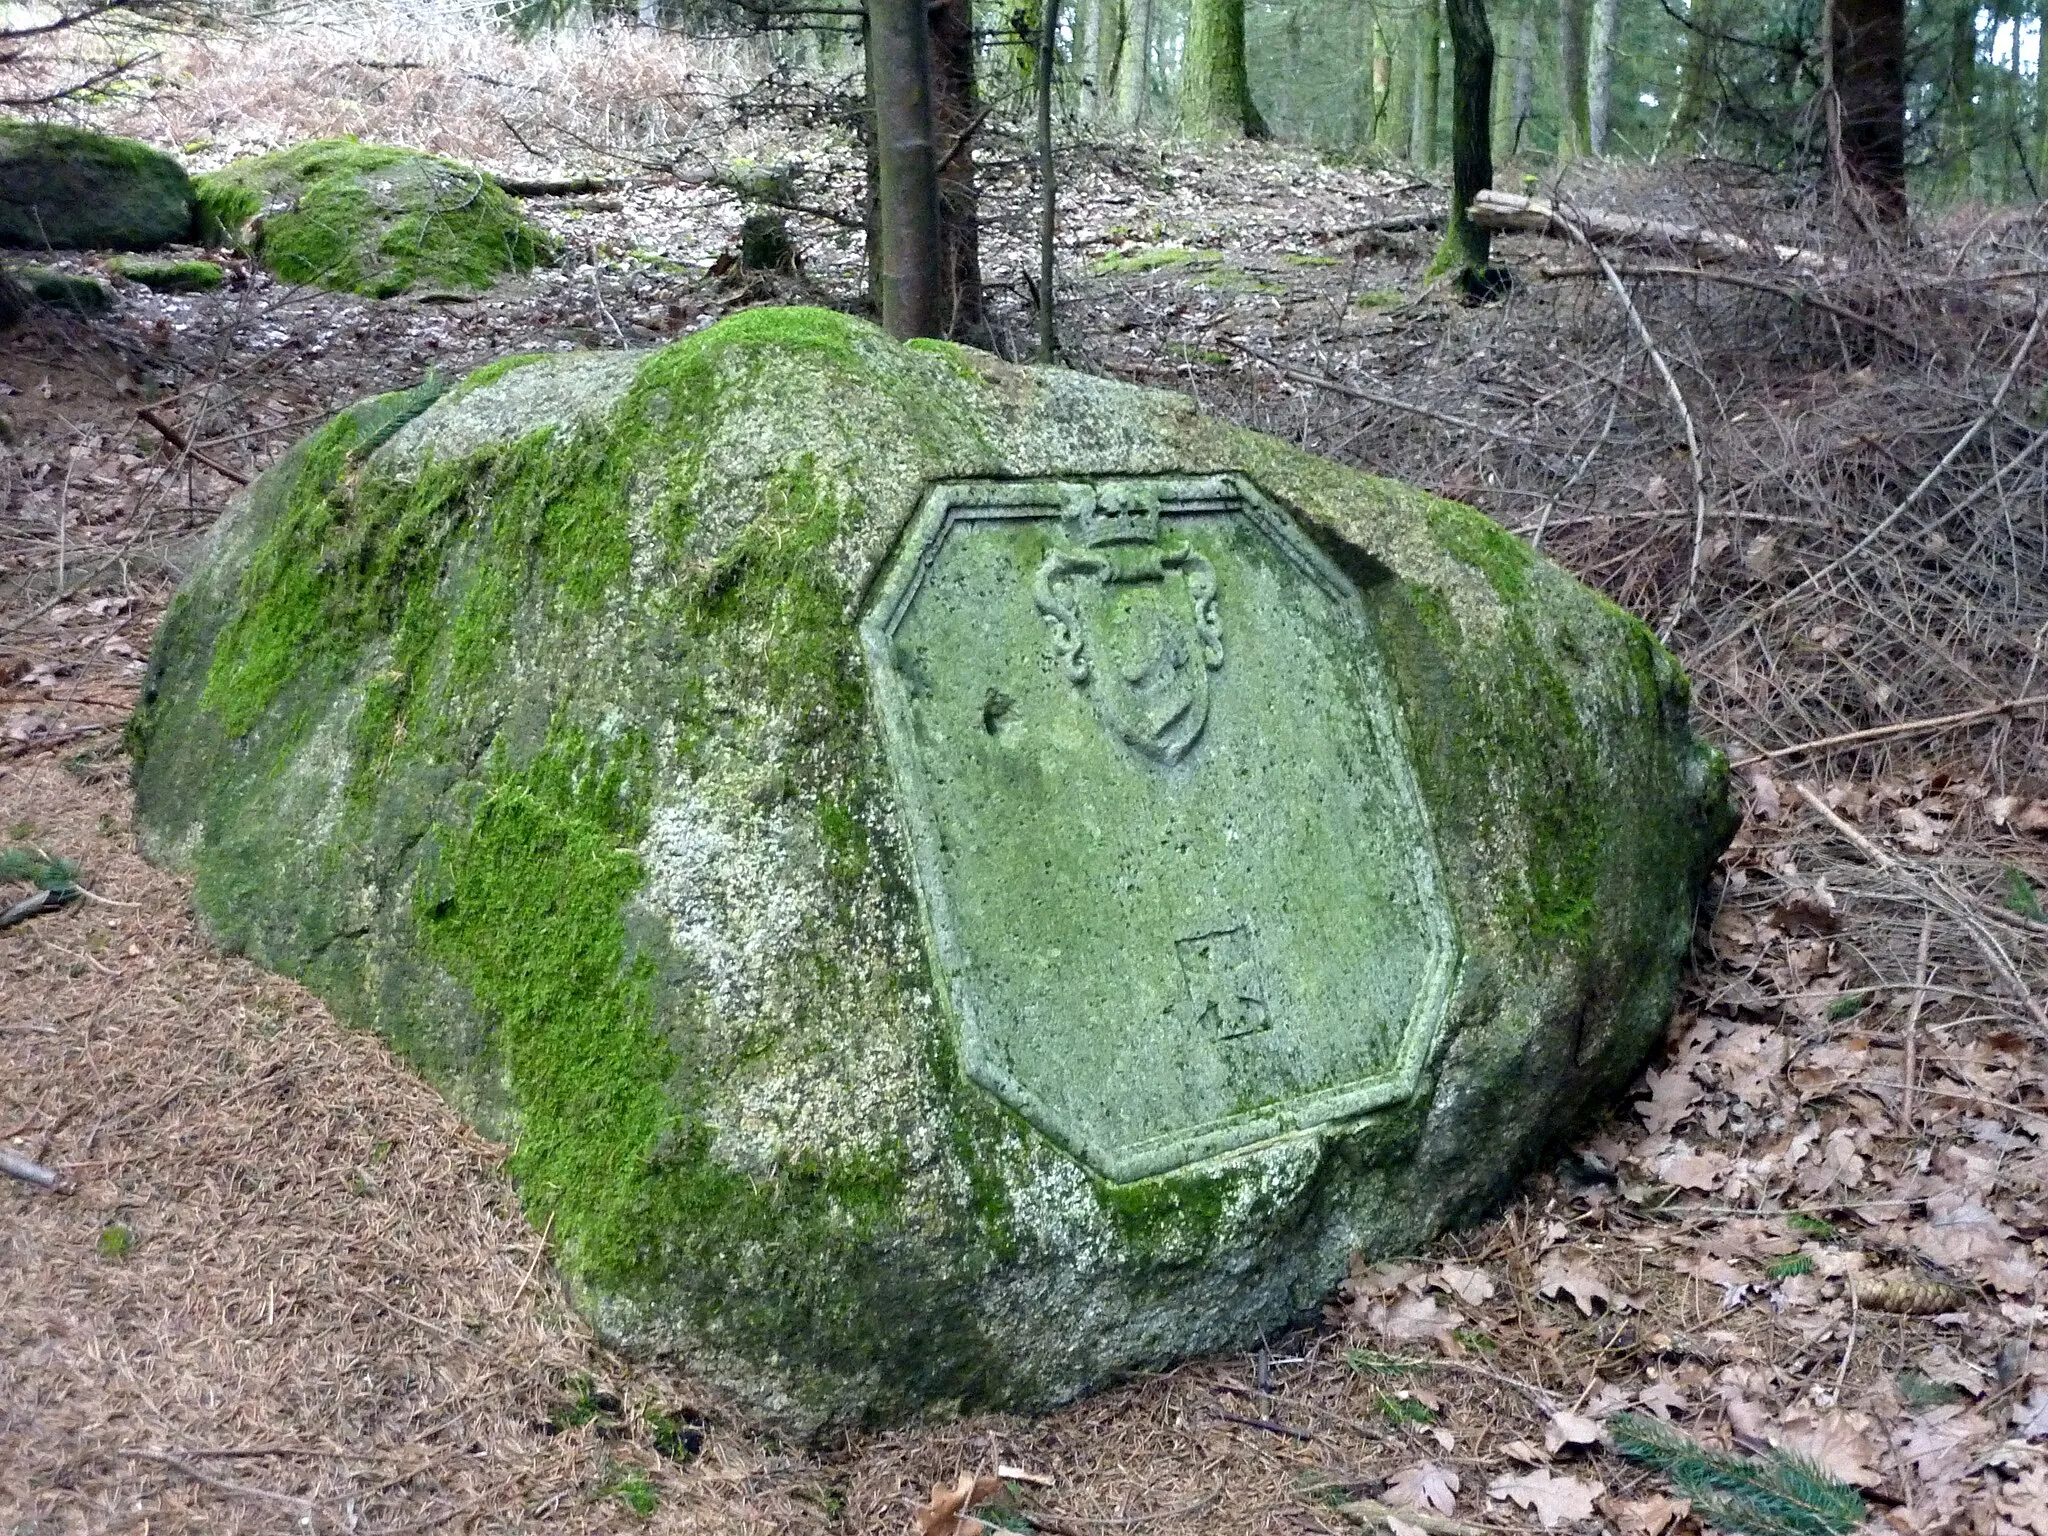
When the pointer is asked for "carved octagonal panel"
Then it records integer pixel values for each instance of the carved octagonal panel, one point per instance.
(1175, 870)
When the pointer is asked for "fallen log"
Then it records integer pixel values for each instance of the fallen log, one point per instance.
(1533, 216)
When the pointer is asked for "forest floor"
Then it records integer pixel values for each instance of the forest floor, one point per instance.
(288, 1286)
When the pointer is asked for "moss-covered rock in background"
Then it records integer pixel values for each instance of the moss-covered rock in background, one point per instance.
(369, 218)
(566, 727)
(168, 276)
(75, 190)
(66, 290)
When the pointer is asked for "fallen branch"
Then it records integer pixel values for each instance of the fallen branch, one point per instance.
(558, 186)
(1739, 280)
(1694, 459)
(1533, 216)
(16, 1166)
(306, 1508)
(1903, 728)
(1938, 890)
(38, 904)
(43, 743)
(179, 441)
(1393, 402)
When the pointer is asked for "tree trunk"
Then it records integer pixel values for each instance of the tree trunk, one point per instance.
(1135, 70)
(900, 82)
(1048, 208)
(1959, 103)
(1574, 132)
(1467, 247)
(1600, 73)
(1397, 59)
(1215, 95)
(1105, 55)
(1429, 77)
(1524, 101)
(1698, 78)
(956, 102)
(1867, 55)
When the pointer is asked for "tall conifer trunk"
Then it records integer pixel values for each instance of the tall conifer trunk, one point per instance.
(1600, 73)
(900, 96)
(1215, 94)
(1574, 131)
(1867, 60)
(955, 105)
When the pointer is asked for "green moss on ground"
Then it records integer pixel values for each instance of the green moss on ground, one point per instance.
(370, 218)
(1152, 259)
(168, 276)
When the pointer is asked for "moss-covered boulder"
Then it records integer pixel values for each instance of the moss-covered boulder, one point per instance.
(75, 190)
(370, 219)
(958, 880)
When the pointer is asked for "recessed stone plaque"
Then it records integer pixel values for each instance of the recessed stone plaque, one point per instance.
(1175, 868)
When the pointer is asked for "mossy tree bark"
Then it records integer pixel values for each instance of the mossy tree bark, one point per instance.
(1215, 91)
(13, 300)
(900, 83)
(1574, 130)
(1867, 58)
(1467, 248)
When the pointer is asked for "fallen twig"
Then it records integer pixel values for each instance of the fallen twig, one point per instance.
(1694, 458)
(1268, 1425)
(1352, 391)
(1740, 280)
(306, 1507)
(179, 441)
(44, 743)
(14, 1165)
(1903, 728)
(1073, 1525)
(1955, 903)
(1373, 1512)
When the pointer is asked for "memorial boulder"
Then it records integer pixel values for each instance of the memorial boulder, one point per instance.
(957, 880)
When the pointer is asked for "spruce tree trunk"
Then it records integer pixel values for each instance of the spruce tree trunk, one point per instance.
(1105, 56)
(1574, 132)
(1215, 94)
(955, 104)
(1600, 73)
(1429, 61)
(1524, 98)
(900, 86)
(1959, 104)
(1698, 79)
(1466, 246)
(1867, 52)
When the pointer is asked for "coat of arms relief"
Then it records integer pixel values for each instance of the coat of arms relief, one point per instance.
(1134, 619)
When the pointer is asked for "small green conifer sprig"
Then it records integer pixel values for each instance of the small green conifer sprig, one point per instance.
(1782, 1494)
(35, 867)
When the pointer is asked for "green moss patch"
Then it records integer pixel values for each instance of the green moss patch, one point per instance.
(1152, 259)
(168, 276)
(370, 218)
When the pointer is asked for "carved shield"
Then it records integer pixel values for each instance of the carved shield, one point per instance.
(1136, 626)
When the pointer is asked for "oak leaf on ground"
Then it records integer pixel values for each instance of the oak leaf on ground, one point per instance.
(1553, 1497)
(1427, 1485)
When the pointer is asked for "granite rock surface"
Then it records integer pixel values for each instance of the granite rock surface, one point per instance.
(958, 880)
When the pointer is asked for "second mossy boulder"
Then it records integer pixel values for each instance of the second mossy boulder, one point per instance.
(75, 190)
(372, 219)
